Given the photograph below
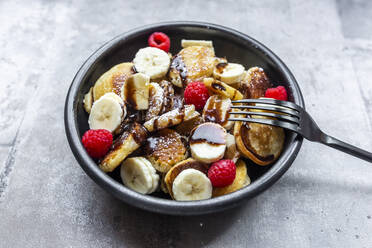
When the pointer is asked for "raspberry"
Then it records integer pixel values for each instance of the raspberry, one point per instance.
(222, 173)
(196, 93)
(97, 142)
(159, 40)
(278, 93)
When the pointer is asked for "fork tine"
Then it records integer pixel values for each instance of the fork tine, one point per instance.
(270, 108)
(286, 104)
(282, 124)
(278, 116)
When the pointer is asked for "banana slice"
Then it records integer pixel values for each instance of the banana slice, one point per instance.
(154, 175)
(156, 100)
(114, 97)
(138, 175)
(136, 91)
(88, 100)
(217, 110)
(107, 112)
(208, 142)
(191, 185)
(189, 163)
(152, 61)
(241, 180)
(231, 149)
(124, 145)
(171, 118)
(187, 43)
(228, 72)
(119, 100)
(222, 89)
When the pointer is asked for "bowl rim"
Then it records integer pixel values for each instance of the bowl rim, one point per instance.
(161, 205)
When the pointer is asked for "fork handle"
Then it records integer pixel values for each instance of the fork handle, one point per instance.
(347, 148)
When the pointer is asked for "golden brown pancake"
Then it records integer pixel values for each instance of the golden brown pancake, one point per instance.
(258, 142)
(164, 149)
(241, 180)
(255, 83)
(112, 80)
(192, 64)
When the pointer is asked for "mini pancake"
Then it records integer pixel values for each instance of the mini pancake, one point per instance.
(112, 80)
(164, 149)
(254, 83)
(258, 142)
(192, 63)
(241, 180)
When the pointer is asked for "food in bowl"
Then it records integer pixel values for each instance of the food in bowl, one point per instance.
(168, 116)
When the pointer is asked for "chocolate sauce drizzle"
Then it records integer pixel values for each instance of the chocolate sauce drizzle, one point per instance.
(179, 65)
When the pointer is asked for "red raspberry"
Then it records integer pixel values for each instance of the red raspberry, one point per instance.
(97, 142)
(278, 93)
(222, 173)
(159, 40)
(196, 93)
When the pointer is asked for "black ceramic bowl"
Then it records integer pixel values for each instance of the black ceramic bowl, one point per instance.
(237, 47)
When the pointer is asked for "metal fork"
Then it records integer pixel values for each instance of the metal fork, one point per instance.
(294, 118)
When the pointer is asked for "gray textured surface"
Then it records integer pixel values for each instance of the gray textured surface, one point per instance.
(46, 200)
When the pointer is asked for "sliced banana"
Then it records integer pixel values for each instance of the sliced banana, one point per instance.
(152, 61)
(135, 91)
(114, 97)
(216, 110)
(154, 175)
(189, 163)
(191, 185)
(222, 89)
(138, 175)
(187, 43)
(107, 112)
(208, 142)
(88, 100)
(228, 72)
(171, 118)
(156, 100)
(119, 100)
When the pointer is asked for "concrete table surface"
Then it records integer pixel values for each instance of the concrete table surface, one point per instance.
(46, 200)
